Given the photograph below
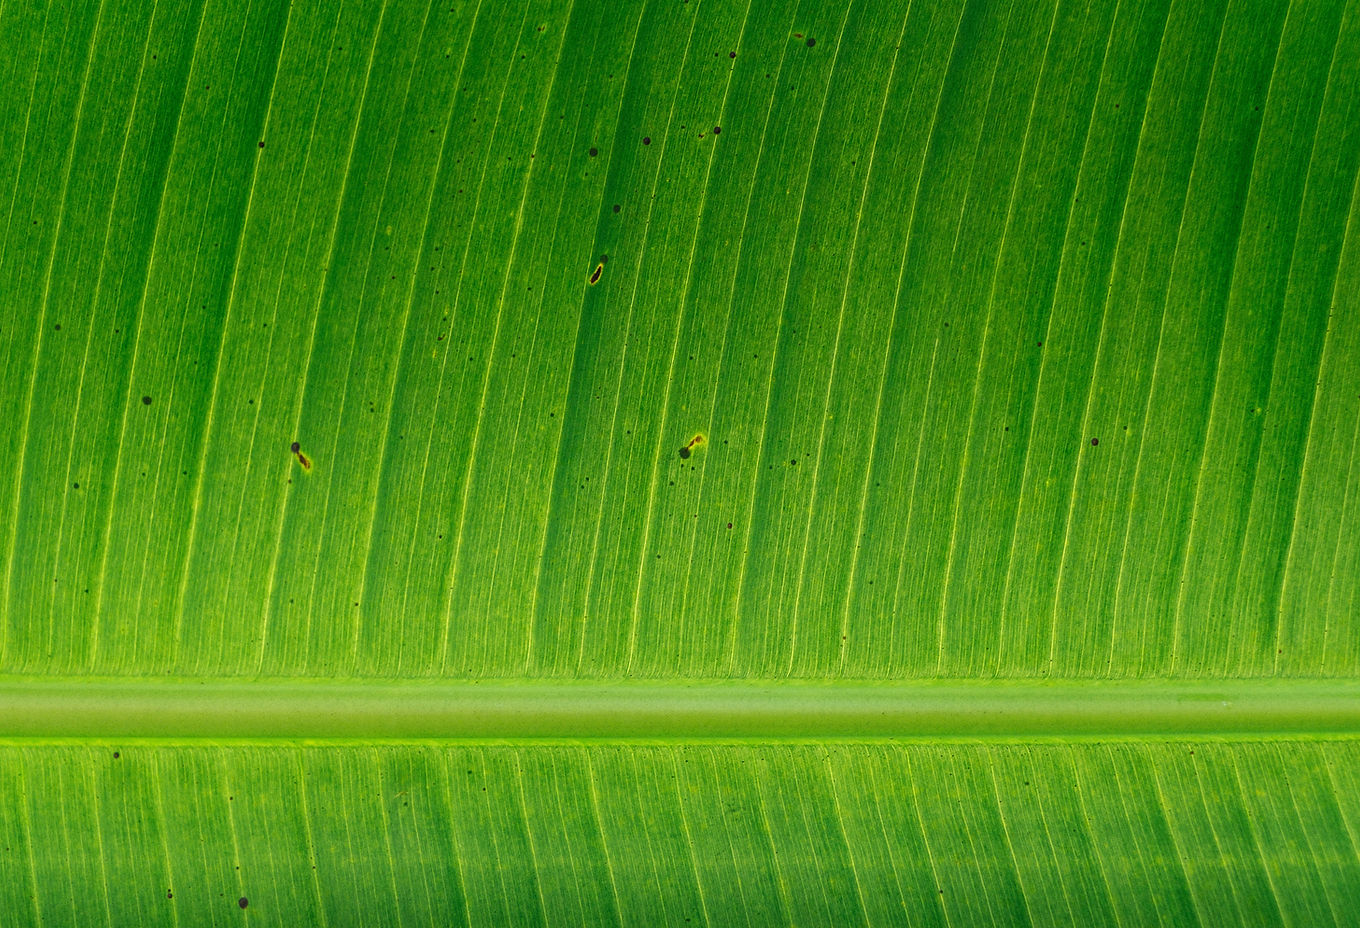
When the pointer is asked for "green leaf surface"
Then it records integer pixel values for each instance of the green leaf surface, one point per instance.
(680, 461)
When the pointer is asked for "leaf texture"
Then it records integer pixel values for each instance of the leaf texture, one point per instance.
(888, 834)
(677, 341)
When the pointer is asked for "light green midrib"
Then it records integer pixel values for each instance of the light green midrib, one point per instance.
(534, 709)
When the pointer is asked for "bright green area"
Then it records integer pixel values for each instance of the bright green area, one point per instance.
(769, 711)
(1137, 834)
(1024, 342)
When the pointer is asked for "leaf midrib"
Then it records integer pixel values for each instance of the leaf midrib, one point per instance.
(671, 709)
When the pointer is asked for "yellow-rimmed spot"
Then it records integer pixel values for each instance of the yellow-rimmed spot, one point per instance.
(693, 443)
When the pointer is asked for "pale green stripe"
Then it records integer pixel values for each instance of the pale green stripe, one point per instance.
(293, 708)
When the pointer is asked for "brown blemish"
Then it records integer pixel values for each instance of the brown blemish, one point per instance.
(693, 442)
(595, 275)
(305, 461)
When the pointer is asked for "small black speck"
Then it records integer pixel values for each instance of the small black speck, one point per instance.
(243, 902)
(646, 140)
(1095, 441)
(794, 461)
(594, 152)
(616, 207)
(684, 452)
(811, 42)
(731, 54)
(295, 447)
(76, 485)
(262, 144)
(717, 129)
(116, 755)
(146, 401)
(58, 326)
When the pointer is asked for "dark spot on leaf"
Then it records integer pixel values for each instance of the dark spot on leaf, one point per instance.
(616, 207)
(595, 275)
(169, 894)
(146, 401)
(1095, 441)
(76, 485)
(717, 129)
(729, 524)
(58, 326)
(696, 440)
(295, 447)
(811, 42)
(594, 152)
(646, 140)
(243, 902)
(731, 54)
(116, 755)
